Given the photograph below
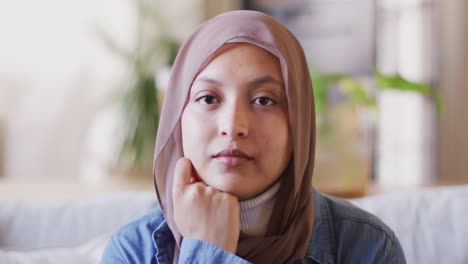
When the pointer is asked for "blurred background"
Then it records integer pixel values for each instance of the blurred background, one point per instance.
(81, 83)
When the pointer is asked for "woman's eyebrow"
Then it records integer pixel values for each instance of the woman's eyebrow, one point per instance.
(265, 80)
(252, 83)
(208, 80)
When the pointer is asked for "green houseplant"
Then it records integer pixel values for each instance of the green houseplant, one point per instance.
(140, 97)
(356, 93)
(346, 129)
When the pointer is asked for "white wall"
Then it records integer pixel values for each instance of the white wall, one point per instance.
(54, 72)
(56, 76)
(406, 135)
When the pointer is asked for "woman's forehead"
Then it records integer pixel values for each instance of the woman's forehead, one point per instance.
(233, 44)
(241, 64)
(240, 51)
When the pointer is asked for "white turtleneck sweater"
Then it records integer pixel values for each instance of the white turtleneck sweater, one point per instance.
(255, 213)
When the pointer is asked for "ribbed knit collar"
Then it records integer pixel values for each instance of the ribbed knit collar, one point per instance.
(255, 213)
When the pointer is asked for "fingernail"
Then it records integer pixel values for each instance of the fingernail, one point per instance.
(193, 179)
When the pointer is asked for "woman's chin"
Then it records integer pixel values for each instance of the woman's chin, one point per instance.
(237, 189)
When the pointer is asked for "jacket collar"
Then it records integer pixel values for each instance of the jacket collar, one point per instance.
(321, 247)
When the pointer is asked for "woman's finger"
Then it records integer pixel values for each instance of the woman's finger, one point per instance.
(182, 175)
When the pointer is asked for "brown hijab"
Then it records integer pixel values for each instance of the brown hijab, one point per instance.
(290, 227)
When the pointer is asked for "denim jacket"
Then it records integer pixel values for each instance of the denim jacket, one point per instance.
(342, 233)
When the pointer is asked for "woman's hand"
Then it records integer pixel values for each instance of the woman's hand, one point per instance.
(202, 212)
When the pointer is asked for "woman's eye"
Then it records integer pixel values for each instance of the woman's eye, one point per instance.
(264, 101)
(207, 99)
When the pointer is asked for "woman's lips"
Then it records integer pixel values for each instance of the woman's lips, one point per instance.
(232, 157)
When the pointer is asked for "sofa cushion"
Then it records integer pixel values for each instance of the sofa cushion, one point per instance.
(88, 253)
(431, 224)
(30, 227)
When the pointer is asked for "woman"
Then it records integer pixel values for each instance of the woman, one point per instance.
(234, 159)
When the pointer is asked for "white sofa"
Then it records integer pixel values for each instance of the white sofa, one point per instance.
(432, 225)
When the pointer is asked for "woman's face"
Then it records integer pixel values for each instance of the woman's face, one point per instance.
(235, 127)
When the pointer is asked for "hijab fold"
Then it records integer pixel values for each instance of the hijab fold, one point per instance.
(290, 227)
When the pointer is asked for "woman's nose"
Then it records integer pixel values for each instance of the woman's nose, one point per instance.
(234, 122)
